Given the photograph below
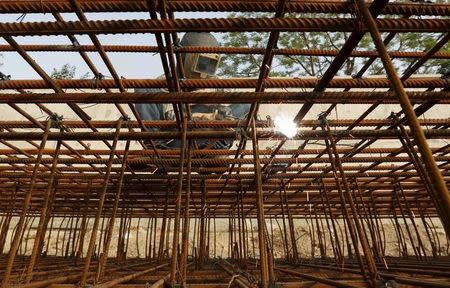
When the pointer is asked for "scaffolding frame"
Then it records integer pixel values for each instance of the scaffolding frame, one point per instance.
(345, 195)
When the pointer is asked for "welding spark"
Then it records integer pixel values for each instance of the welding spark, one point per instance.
(286, 126)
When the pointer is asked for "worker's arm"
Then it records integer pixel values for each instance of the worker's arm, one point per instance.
(239, 110)
(150, 111)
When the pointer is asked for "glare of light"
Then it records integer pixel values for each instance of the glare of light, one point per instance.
(286, 126)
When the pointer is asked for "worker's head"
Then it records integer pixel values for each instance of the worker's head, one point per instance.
(199, 65)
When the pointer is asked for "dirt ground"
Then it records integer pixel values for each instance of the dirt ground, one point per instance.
(307, 241)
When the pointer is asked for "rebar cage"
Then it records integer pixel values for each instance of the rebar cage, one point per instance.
(358, 198)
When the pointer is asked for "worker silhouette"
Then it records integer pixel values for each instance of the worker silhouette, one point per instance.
(196, 66)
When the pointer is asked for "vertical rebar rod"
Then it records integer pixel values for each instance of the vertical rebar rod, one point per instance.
(260, 207)
(20, 225)
(40, 232)
(339, 250)
(347, 223)
(110, 227)
(359, 228)
(101, 201)
(154, 228)
(284, 232)
(335, 247)
(162, 233)
(375, 244)
(185, 235)
(437, 183)
(7, 222)
(176, 234)
(413, 221)
(84, 223)
(201, 254)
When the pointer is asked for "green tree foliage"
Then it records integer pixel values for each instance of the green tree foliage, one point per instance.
(67, 71)
(248, 65)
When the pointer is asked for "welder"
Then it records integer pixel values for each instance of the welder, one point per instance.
(196, 66)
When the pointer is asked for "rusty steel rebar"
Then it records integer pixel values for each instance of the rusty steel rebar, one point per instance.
(296, 6)
(219, 50)
(220, 25)
(190, 84)
(226, 97)
(198, 134)
(26, 203)
(92, 239)
(347, 202)
(437, 181)
(219, 124)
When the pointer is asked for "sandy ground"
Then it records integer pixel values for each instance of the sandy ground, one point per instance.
(307, 242)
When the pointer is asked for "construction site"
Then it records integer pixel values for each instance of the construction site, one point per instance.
(201, 179)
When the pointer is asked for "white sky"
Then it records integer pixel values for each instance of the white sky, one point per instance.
(128, 65)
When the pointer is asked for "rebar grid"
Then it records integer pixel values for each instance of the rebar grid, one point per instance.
(359, 200)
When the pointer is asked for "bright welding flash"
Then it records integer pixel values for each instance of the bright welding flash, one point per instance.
(286, 126)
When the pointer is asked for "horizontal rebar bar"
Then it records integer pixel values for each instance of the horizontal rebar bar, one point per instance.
(217, 124)
(220, 25)
(304, 82)
(222, 50)
(309, 6)
(225, 97)
(214, 134)
(288, 197)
